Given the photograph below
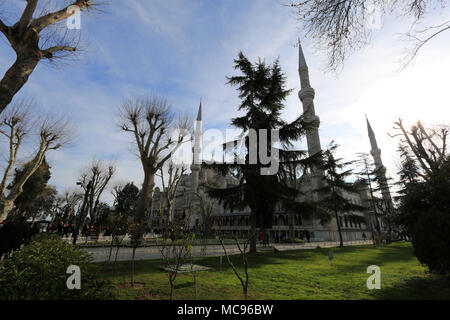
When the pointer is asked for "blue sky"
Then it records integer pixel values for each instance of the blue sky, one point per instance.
(185, 49)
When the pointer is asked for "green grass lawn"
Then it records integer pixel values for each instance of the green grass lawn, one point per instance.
(303, 274)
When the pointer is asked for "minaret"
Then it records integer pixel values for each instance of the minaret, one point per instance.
(306, 95)
(379, 167)
(197, 149)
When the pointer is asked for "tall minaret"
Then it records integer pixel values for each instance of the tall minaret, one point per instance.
(379, 167)
(306, 95)
(197, 149)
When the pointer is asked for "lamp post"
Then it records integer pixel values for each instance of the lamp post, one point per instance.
(81, 216)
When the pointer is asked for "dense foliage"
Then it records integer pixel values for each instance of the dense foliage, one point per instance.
(425, 210)
(36, 194)
(262, 92)
(424, 202)
(126, 199)
(334, 184)
(38, 272)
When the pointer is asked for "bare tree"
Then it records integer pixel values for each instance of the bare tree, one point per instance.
(71, 199)
(176, 249)
(345, 26)
(100, 175)
(206, 208)
(57, 210)
(427, 146)
(151, 123)
(14, 126)
(37, 36)
(244, 257)
(170, 182)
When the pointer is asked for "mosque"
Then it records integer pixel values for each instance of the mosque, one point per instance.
(193, 203)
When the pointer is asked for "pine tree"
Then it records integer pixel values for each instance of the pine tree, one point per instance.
(32, 189)
(334, 185)
(262, 92)
(368, 176)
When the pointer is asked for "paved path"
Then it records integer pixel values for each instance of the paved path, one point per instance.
(152, 253)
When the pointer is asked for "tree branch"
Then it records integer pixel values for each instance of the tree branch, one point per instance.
(27, 15)
(48, 53)
(57, 16)
(4, 28)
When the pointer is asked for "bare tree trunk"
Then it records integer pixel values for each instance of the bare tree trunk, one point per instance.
(132, 267)
(5, 207)
(117, 252)
(169, 211)
(291, 225)
(16, 77)
(146, 194)
(341, 242)
(17, 189)
(171, 287)
(110, 249)
(253, 232)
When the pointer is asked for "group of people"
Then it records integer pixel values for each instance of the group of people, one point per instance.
(15, 233)
(66, 230)
(62, 229)
(277, 238)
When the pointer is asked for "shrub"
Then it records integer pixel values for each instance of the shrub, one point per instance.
(38, 272)
(45, 236)
(431, 241)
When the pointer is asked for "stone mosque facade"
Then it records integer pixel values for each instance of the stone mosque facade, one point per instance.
(192, 202)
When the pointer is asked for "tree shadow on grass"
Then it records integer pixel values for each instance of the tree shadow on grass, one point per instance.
(341, 265)
(377, 256)
(433, 287)
(259, 260)
(187, 284)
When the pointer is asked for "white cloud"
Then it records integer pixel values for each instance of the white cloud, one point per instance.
(186, 49)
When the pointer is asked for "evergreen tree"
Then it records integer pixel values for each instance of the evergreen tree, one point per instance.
(423, 160)
(126, 199)
(125, 202)
(262, 92)
(32, 189)
(334, 185)
(367, 176)
(43, 204)
(423, 202)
